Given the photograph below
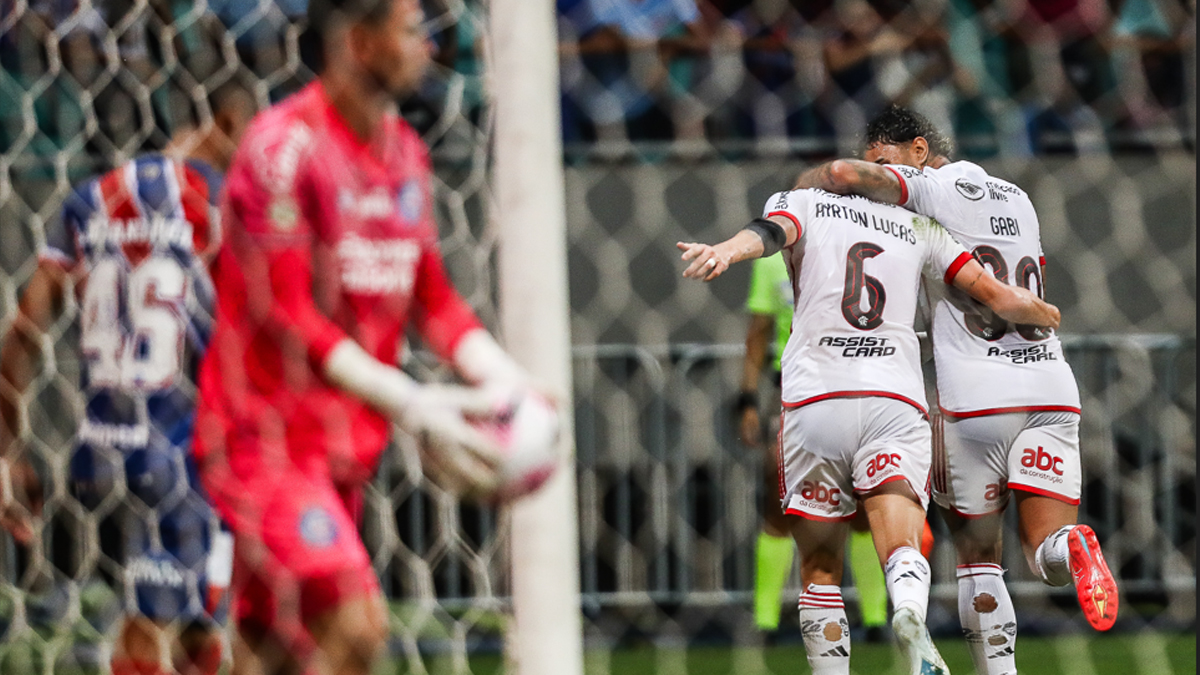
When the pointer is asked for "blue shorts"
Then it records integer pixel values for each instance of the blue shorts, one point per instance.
(155, 529)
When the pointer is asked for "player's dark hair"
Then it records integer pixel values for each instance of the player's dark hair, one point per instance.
(324, 15)
(896, 125)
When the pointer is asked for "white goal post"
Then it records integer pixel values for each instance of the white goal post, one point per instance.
(528, 210)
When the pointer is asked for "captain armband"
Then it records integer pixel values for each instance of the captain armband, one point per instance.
(772, 235)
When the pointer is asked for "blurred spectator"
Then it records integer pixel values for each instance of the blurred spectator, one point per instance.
(922, 76)
(781, 53)
(1150, 40)
(259, 29)
(704, 73)
(451, 99)
(987, 119)
(1062, 76)
(1010, 76)
(858, 40)
(103, 79)
(120, 103)
(616, 62)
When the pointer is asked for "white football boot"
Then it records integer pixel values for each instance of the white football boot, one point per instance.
(923, 657)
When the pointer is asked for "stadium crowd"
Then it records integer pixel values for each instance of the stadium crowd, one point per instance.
(768, 76)
(85, 84)
(1009, 76)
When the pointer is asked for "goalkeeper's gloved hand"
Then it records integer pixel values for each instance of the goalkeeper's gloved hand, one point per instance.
(480, 360)
(438, 416)
(453, 452)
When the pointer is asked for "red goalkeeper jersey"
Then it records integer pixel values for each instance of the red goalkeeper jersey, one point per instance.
(327, 237)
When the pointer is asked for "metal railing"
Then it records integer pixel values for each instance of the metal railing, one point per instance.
(668, 496)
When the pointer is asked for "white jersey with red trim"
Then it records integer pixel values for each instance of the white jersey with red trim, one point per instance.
(856, 273)
(985, 364)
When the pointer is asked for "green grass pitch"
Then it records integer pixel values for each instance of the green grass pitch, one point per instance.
(1123, 654)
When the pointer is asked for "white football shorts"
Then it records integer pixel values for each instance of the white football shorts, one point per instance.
(981, 459)
(835, 449)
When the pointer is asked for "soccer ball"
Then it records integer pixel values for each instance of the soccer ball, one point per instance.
(528, 437)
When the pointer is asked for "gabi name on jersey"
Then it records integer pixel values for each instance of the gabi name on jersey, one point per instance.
(155, 230)
(864, 219)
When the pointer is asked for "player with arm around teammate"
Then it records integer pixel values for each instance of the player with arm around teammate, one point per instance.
(136, 244)
(855, 426)
(1019, 434)
(769, 303)
(331, 254)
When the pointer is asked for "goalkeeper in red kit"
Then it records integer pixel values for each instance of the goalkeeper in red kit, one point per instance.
(330, 254)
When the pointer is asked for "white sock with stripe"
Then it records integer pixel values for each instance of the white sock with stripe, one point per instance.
(907, 575)
(988, 619)
(825, 630)
(1052, 557)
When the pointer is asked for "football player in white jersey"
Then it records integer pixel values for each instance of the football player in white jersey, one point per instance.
(1007, 395)
(855, 425)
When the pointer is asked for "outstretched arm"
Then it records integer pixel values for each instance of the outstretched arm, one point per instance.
(1012, 303)
(762, 237)
(854, 177)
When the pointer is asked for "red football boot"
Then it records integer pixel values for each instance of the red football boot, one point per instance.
(1094, 584)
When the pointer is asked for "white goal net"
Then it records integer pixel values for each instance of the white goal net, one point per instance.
(676, 126)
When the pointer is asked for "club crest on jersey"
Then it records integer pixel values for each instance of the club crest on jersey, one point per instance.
(968, 189)
(317, 528)
(409, 202)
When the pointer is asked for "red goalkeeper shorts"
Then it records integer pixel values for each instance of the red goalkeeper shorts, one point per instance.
(297, 553)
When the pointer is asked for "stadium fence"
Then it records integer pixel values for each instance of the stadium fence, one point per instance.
(666, 494)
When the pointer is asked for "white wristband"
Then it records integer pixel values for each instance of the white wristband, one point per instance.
(377, 384)
(480, 360)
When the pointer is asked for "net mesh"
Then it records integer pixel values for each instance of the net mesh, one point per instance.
(677, 124)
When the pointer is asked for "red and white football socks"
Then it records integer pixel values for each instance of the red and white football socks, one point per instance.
(1051, 558)
(907, 576)
(1073, 554)
(989, 622)
(825, 630)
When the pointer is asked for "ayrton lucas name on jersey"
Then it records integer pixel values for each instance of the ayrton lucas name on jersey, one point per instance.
(867, 220)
